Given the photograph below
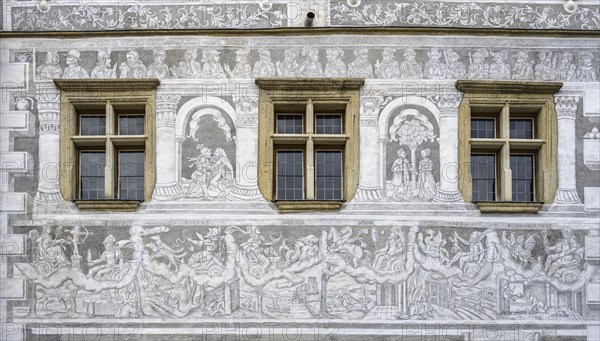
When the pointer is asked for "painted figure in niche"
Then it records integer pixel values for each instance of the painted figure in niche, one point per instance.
(110, 261)
(499, 69)
(133, 67)
(426, 182)
(564, 257)
(158, 69)
(264, 67)
(523, 68)
(213, 173)
(411, 128)
(311, 67)
(434, 68)
(212, 68)
(478, 68)
(242, 68)
(456, 68)
(50, 68)
(335, 66)
(387, 67)
(103, 68)
(401, 180)
(73, 70)
(189, 68)
(545, 70)
(288, 67)
(585, 69)
(361, 66)
(566, 67)
(410, 67)
(392, 252)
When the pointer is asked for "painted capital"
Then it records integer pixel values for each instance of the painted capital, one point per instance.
(371, 102)
(48, 106)
(166, 109)
(448, 104)
(246, 108)
(566, 106)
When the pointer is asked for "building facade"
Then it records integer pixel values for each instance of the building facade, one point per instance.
(369, 170)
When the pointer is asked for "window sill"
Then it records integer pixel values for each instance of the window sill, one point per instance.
(114, 205)
(292, 206)
(508, 206)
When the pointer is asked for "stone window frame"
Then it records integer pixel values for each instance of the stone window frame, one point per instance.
(315, 91)
(105, 92)
(506, 94)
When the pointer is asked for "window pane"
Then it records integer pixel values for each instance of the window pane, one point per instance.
(483, 128)
(329, 124)
(289, 175)
(329, 175)
(483, 173)
(131, 125)
(131, 175)
(521, 128)
(92, 125)
(91, 173)
(521, 167)
(289, 124)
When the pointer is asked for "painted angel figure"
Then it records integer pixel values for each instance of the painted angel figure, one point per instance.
(387, 67)
(50, 68)
(189, 68)
(133, 67)
(288, 67)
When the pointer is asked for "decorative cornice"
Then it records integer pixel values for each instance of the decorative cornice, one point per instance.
(166, 109)
(125, 84)
(324, 84)
(448, 104)
(502, 87)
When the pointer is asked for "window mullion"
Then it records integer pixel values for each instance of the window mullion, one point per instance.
(109, 170)
(505, 173)
(310, 152)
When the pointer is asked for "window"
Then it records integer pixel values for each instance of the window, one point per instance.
(107, 145)
(507, 154)
(308, 142)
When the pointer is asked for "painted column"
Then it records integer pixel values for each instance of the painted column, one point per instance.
(167, 186)
(448, 106)
(369, 184)
(48, 105)
(246, 149)
(566, 106)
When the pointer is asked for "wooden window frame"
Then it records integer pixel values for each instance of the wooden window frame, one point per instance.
(538, 97)
(81, 93)
(308, 93)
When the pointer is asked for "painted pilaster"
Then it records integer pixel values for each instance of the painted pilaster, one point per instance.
(448, 106)
(48, 105)
(566, 107)
(246, 149)
(167, 187)
(369, 187)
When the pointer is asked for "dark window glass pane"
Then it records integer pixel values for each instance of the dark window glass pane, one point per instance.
(289, 175)
(92, 125)
(329, 175)
(289, 124)
(131, 125)
(328, 124)
(483, 128)
(131, 175)
(483, 173)
(521, 128)
(521, 167)
(91, 173)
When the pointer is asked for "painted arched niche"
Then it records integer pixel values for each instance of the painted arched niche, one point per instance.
(409, 149)
(206, 136)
